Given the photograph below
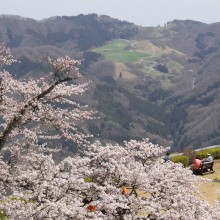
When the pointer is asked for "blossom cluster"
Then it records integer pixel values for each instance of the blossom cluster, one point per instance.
(37, 104)
(64, 66)
(6, 57)
(107, 182)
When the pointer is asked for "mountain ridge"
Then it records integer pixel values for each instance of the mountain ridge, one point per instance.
(156, 82)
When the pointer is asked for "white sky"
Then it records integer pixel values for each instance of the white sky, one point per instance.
(141, 12)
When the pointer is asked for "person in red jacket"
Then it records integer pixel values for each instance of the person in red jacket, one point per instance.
(197, 163)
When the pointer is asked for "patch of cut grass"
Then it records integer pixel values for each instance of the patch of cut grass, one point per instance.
(125, 56)
(120, 51)
(118, 44)
(209, 189)
(146, 46)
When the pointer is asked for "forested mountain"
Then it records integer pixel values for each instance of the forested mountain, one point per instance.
(157, 82)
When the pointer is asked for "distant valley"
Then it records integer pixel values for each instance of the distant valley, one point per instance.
(157, 82)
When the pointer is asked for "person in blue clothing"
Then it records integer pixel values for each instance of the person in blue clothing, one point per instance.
(167, 157)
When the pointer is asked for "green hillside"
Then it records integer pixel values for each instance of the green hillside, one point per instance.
(144, 57)
(118, 51)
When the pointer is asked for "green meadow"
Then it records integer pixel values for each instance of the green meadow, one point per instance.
(142, 54)
(119, 51)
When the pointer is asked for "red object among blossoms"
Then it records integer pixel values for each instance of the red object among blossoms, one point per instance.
(91, 208)
(124, 190)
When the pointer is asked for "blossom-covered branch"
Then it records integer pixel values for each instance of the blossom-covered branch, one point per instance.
(33, 101)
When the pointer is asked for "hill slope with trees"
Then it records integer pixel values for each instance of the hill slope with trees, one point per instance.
(156, 82)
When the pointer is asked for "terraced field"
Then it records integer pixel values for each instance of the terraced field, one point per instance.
(121, 51)
(144, 56)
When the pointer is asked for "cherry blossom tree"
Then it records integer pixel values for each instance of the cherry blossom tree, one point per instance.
(29, 109)
(108, 182)
(101, 182)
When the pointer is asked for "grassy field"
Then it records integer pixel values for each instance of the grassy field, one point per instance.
(209, 188)
(120, 51)
(142, 54)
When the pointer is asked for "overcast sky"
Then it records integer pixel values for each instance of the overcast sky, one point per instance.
(141, 12)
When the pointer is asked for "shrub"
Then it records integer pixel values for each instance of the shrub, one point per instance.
(3, 216)
(162, 68)
(181, 159)
(215, 152)
(190, 153)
